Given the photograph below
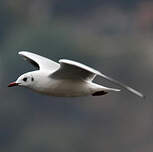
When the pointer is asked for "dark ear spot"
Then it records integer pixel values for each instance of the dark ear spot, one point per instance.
(99, 93)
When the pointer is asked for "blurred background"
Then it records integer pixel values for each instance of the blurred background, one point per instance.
(115, 37)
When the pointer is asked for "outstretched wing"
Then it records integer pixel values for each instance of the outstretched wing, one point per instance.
(77, 71)
(39, 62)
(123, 85)
(74, 71)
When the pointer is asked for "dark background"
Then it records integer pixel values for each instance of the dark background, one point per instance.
(115, 37)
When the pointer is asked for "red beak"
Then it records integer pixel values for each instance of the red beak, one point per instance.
(13, 84)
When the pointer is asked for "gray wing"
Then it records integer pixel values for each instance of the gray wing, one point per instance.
(77, 71)
(74, 70)
(39, 62)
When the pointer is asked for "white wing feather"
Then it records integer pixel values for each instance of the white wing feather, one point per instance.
(38, 61)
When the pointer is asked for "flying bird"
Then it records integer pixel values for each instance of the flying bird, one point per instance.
(64, 79)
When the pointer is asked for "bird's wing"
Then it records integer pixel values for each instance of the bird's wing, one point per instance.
(74, 70)
(38, 61)
(123, 85)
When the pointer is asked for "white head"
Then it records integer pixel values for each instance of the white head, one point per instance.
(25, 80)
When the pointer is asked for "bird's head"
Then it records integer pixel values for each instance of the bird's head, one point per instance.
(25, 80)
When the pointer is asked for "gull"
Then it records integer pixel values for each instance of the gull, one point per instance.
(64, 79)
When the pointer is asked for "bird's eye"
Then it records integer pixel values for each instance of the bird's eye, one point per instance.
(24, 79)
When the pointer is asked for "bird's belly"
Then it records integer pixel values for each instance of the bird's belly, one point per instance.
(67, 88)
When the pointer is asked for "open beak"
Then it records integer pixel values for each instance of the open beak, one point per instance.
(12, 84)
